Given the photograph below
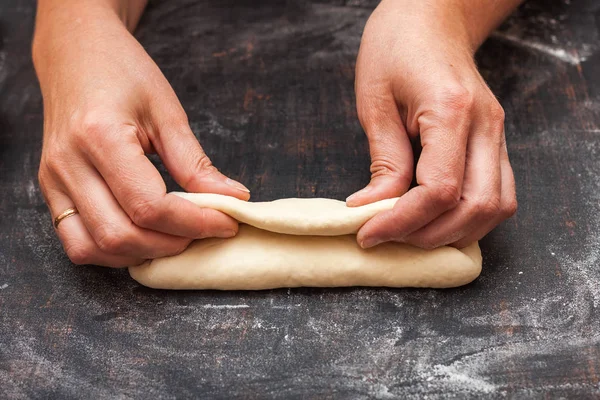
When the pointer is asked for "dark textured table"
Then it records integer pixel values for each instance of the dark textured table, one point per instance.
(268, 87)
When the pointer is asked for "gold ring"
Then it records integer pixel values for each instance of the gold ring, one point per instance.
(65, 214)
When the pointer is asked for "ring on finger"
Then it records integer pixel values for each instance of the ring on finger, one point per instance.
(69, 212)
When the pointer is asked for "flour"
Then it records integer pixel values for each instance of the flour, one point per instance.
(572, 57)
(225, 306)
(457, 378)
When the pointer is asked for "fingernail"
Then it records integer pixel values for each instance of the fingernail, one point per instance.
(357, 194)
(370, 242)
(351, 197)
(237, 185)
(226, 233)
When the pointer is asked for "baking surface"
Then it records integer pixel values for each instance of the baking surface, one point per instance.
(268, 87)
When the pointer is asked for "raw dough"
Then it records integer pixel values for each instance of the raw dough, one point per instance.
(303, 242)
(319, 217)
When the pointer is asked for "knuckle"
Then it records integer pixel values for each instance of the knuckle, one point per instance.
(91, 127)
(450, 104)
(487, 207)
(208, 227)
(80, 253)
(447, 194)
(205, 229)
(497, 114)
(511, 207)
(42, 174)
(455, 97)
(146, 213)
(96, 129)
(94, 120)
(203, 165)
(496, 117)
(44, 183)
(112, 240)
(381, 166)
(384, 165)
(54, 158)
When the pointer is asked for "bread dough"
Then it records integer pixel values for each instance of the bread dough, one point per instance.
(318, 217)
(258, 259)
(303, 242)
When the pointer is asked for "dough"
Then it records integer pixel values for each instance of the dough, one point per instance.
(303, 242)
(320, 217)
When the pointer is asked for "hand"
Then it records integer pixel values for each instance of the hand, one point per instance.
(106, 104)
(416, 77)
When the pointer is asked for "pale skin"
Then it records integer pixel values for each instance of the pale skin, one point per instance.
(107, 105)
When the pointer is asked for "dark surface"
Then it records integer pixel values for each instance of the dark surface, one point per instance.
(269, 90)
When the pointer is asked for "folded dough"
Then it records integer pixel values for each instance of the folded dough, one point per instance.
(303, 242)
(316, 217)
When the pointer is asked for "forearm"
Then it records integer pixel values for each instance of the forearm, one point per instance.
(128, 11)
(483, 16)
(58, 20)
(70, 29)
(468, 22)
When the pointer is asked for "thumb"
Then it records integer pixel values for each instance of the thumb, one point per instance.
(390, 148)
(189, 165)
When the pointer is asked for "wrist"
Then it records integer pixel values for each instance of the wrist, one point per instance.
(467, 22)
(442, 21)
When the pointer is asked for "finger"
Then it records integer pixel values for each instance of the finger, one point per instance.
(141, 192)
(480, 201)
(189, 165)
(75, 238)
(110, 227)
(389, 145)
(440, 172)
(508, 203)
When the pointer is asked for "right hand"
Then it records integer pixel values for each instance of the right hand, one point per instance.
(106, 105)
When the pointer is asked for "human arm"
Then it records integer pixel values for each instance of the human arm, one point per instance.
(416, 78)
(107, 105)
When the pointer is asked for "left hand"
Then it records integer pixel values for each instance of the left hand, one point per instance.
(416, 77)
